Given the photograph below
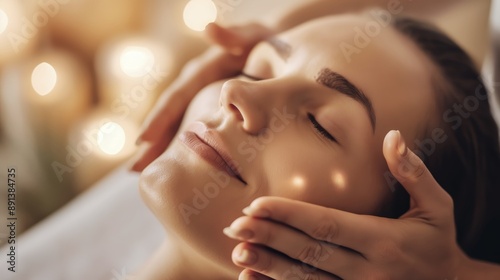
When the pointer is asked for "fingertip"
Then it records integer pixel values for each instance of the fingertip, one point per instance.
(134, 166)
(220, 35)
(137, 162)
(403, 163)
(397, 154)
(248, 274)
(211, 29)
(139, 139)
(144, 136)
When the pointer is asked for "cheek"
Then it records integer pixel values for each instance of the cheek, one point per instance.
(193, 201)
(297, 170)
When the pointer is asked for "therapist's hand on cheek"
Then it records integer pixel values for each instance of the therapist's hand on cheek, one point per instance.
(283, 234)
(224, 60)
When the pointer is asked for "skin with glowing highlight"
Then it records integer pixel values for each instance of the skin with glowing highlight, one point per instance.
(293, 133)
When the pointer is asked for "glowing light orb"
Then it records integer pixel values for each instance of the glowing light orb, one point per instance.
(339, 180)
(199, 13)
(111, 138)
(43, 78)
(136, 61)
(298, 181)
(4, 21)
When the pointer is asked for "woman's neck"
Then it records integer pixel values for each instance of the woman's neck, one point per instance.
(173, 261)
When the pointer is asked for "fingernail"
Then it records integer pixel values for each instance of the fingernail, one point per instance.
(245, 256)
(247, 277)
(242, 234)
(401, 144)
(258, 213)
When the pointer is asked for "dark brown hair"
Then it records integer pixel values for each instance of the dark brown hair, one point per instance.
(467, 164)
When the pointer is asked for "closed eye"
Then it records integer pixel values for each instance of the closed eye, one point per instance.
(320, 129)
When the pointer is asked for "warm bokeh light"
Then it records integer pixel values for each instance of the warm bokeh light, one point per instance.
(43, 78)
(199, 13)
(4, 21)
(111, 138)
(298, 181)
(136, 61)
(338, 179)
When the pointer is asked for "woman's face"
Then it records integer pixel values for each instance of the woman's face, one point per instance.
(309, 128)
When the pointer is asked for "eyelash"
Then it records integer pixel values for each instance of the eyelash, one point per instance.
(320, 129)
(315, 123)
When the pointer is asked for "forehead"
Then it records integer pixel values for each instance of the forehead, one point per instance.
(387, 66)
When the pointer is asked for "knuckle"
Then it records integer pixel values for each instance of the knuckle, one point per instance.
(412, 167)
(388, 251)
(265, 264)
(326, 231)
(419, 170)
(312, 276)
(309, 273)
(311, 253)
(269, 236)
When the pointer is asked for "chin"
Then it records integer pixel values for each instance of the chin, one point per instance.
(174, 187)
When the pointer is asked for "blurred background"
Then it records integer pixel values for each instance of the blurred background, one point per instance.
(77, 78)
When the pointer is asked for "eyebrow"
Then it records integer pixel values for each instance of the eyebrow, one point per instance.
(339, 83)
(282, 48)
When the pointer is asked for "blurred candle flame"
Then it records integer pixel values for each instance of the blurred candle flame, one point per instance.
(111, 138)
(136, 61)
(199, 13)
(43, 78)
(4, 21)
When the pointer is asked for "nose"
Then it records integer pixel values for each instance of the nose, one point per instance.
(247, 103)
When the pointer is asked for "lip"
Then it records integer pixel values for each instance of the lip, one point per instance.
(208, 145)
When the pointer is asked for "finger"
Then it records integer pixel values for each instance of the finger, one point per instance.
(167, 112)
(215, 64)
(250, 274)
(149, 151)
(297, 245)
(412, 173)
(226, 38)
(147, 154)
(274, 265)
(238, 39)
(350, 230)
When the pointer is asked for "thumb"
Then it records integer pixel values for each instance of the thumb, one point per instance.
(412, 173)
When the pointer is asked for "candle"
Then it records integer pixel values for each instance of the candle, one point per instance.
(130, 76)
(165, 23)
(199, 13)
(57, 90)
(19, 32)
(87, 24)
(97, 145)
